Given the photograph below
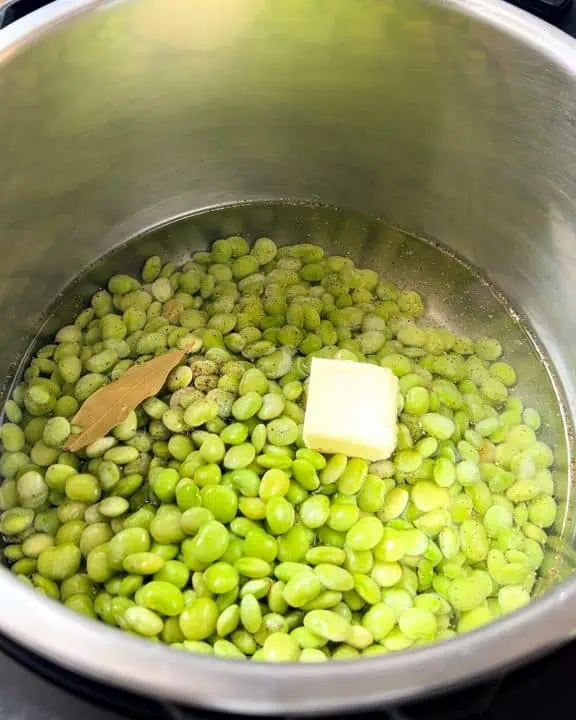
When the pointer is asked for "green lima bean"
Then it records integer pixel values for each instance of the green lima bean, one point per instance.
(203, 521)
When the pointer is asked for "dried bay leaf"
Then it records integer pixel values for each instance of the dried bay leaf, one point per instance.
(112, 404)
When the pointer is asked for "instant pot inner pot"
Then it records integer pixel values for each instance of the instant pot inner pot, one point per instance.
(452, 119)
(456, 296)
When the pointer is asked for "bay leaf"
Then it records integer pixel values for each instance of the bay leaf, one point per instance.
(112, 403)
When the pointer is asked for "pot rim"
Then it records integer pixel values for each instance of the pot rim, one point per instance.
(102, 653)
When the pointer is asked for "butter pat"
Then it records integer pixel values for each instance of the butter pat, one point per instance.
(352, 409)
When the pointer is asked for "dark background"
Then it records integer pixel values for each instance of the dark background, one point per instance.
(569, 24)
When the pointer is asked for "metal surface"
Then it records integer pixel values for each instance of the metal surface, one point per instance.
(452, 119)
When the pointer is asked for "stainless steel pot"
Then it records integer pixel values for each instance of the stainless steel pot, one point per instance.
(453, 118)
